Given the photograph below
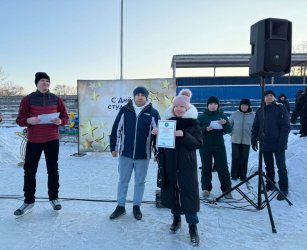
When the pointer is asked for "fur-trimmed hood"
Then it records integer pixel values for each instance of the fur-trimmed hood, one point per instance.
(190, 113)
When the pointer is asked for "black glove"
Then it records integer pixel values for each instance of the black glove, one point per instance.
(255, 147)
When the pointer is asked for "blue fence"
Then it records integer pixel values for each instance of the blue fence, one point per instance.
(232, 88)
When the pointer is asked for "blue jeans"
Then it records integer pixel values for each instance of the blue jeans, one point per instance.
(125, 168)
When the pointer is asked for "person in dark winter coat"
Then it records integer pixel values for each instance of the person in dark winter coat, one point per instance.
(298, 95)
(214, 124)
(300, 110)
(276, 131)
(131, 139)
(282, 98)
(42, 137)
(179, 190)
(241, 122)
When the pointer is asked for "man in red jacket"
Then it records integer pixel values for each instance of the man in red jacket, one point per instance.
(43, 135)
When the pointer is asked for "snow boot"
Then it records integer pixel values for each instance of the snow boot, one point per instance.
(119, 211)
(25, 207)
(228, 196)
(176, 224)
(137, 212)
(56, 205)
(206, 193)
(194, 234)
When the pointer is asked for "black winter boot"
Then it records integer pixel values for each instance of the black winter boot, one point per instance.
(268, 188)
(194, 234)
(119, 211)
(176, 224)
(137, 212)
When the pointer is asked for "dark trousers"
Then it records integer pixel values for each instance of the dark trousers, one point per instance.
(33, 155)
(281, 166)
(220, 162)
(240, 153)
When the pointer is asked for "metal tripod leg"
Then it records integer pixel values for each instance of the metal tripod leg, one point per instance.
(267, 203)
(236, 187)
(259, 204)
(276, 188)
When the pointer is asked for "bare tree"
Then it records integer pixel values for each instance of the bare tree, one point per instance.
(3, 77)
(62, 89)
(8, 88)
(300, 47)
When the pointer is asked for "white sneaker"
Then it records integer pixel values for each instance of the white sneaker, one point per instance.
(24, 208)
(206, 193)
(228, 196)
(55, 204)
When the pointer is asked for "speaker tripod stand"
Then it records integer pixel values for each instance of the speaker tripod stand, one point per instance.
(259, 205)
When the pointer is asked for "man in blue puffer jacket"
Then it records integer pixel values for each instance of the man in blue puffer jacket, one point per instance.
(131, 140)
(276, 131)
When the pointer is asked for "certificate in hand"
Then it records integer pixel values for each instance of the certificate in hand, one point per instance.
(166, 134)
(216, 125)
(44, 119)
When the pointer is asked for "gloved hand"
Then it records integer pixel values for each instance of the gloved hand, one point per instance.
(255, 147)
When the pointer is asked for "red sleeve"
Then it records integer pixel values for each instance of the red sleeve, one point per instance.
(63, 111)
(24, 112)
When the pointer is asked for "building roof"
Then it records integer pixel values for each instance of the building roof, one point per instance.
(224, 60)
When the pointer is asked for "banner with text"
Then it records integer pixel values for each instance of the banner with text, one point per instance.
(100, 102)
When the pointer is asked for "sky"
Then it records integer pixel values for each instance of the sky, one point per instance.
(81, 224)
(80, 40)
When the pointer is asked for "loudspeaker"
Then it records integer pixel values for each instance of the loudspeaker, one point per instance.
(271, 41)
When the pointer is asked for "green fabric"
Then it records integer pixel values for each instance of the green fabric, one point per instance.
(213, 137)
(213, 146)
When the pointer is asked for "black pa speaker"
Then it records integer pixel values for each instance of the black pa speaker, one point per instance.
(271, 41)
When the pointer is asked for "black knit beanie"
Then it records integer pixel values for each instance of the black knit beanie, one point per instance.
(39, 76)
(141, 90)
(269, 92)
(246, 102)
(213, 99)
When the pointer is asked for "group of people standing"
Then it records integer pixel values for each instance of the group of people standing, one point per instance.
(137, 122)
(133, 132)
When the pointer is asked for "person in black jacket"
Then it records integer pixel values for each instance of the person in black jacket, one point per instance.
(300, 110)
(131, 140)
(179, 190)
(298, 95)
(282, 98)
(276, 131)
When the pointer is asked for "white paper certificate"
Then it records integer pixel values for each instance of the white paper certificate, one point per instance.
(166, 134)
(216, 125)
(47, 118)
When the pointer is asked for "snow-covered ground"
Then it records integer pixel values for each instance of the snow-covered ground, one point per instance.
(86, 225)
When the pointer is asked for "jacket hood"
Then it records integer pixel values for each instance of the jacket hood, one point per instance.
(190, 113)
